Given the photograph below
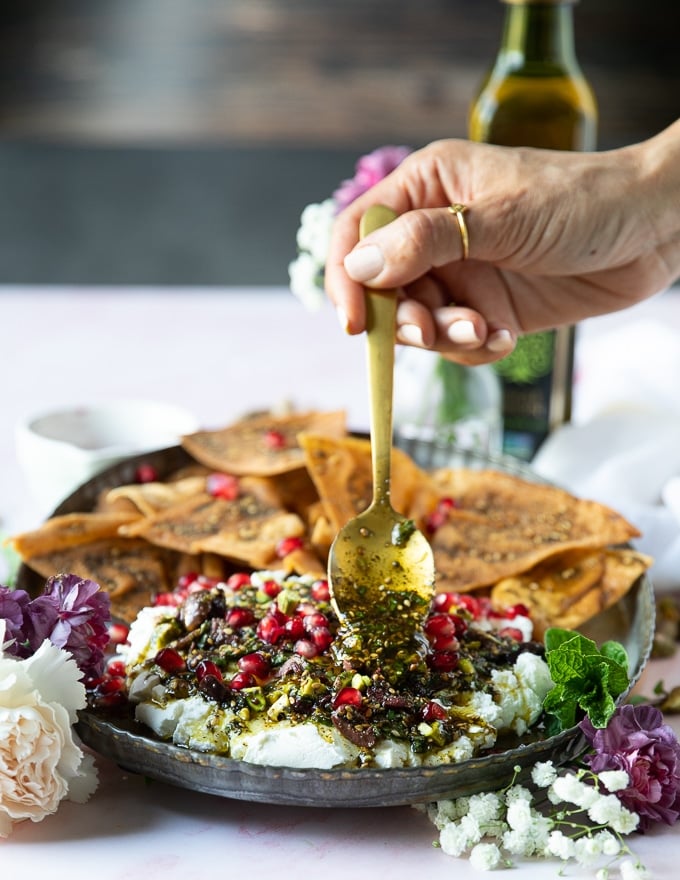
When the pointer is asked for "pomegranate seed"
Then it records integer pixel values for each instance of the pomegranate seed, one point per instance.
(242, 680)
(270, 630)
(239, 580)
(305, 608)
(118, 633)
(113, 685)
(471, 604)
(435, 521)
(305, 648)
(92, 681)
(347, 696)
(288, 545)
(512, 632)
(447, 503)
(440, 625)
(434, 711)
(171, 599)
(518, 610)
(170, 660)
(225, 486)
(294, 628)
(255, 664)
(274, 440)
(320, 591)
(443, 661)
(271, 588)
(445, 602)
(240, 617)
(207, 667)
(146, 473)
(187, 579)
(116, 667)
(321, 636)
(314, 620)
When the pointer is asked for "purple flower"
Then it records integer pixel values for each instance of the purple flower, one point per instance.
(369, 170)
(13, 604)
(71, 612)
(82, 614)
(637, 740)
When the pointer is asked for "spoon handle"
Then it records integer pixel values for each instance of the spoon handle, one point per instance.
(381, 311)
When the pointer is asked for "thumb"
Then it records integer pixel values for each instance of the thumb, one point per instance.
(411, 245)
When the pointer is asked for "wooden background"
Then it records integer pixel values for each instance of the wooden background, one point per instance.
(123, 112)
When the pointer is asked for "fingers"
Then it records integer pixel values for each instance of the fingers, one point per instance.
(407, 248)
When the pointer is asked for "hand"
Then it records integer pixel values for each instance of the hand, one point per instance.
(554, 237)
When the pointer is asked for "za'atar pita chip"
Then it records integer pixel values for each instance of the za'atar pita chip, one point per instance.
(131, 570)
(69, 530)
(571, 588)
(342, 472)
(503, 525)
(246, 529)
(262, 445)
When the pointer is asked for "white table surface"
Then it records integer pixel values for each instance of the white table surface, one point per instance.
(219, 353)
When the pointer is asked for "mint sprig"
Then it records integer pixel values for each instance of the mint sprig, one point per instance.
(585, 678)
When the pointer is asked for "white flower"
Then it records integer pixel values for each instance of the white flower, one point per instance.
(314, 234)
(519, 815)
(611, 846)
(614, 780)
(485, 807)
(454, 839)
(587, 850)
(485, 856)
(606, 810)
(573, 790)
(631, 870)
(304, 273)
(40, 761)
(560, 845)
(543, 774)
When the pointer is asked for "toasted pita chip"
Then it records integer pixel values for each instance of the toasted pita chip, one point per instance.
(571, 588)
(246, 530)
(149, 498)
(69, 530)
(262, 445)
(131, 570)
(504, 525)
(342, 472)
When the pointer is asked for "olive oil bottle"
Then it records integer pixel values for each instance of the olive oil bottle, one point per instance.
(535, 95)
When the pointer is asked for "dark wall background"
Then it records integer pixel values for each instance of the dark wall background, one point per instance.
(177, 141)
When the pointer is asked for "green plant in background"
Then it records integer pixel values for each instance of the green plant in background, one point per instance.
(531, 360)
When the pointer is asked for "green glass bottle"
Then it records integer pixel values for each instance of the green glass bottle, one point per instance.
(535, 95)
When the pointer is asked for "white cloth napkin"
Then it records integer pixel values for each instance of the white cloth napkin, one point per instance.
(623, 448)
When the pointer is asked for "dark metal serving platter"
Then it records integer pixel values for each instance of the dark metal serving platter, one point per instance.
(630, 621)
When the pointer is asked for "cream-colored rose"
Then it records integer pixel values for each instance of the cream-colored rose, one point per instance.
(41, 763)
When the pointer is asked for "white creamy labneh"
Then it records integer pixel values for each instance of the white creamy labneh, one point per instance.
(249, 672)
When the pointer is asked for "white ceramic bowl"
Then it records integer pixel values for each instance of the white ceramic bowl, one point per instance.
(61, 449)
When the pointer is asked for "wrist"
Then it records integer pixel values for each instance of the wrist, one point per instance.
(658, 173)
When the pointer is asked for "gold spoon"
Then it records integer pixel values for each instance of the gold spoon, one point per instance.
(380, 567)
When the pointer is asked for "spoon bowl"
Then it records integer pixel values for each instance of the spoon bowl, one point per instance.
(381, 568)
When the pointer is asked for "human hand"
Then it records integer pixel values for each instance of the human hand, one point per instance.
(554, 237)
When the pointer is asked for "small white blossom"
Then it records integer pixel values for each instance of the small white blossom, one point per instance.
(611, 845)
(543, 774)
(602, 874)
(633, 870)
(614, 780)
(587, 850)
(485, 807)
(304, 275)
(573, 790)
(517, 792)
(454, 839)
(606, 810)
(519, 815)
(485, 856)
(560, 845)
(625, 822)
(314, 234)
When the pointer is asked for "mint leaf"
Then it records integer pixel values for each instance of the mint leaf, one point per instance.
(585, 678)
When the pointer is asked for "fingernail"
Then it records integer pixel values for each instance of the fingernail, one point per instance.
(364, 263)
(501, 340)
(410, 334)
(462, 332)
(343, 319)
